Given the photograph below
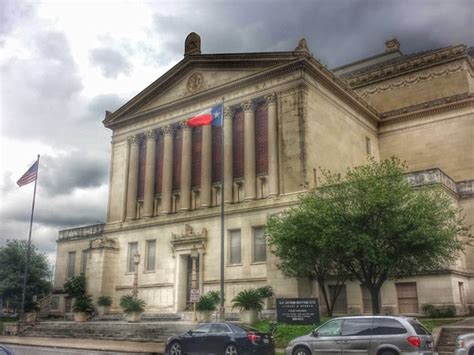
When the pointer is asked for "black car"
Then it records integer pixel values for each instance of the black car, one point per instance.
(221, 339)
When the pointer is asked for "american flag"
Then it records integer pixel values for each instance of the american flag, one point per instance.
(29, 176)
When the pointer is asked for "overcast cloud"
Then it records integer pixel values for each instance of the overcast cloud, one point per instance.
(62, 64)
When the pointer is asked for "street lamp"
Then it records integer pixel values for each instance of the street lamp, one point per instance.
(136, 261)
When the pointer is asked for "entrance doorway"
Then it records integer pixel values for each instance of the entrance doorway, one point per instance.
(189, 279)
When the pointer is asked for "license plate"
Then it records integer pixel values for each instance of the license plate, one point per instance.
(429, 345)
(265, 341)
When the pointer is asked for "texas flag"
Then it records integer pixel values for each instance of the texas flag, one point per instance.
(211, 116)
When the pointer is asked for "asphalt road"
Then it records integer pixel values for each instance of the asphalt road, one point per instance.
(39, 350)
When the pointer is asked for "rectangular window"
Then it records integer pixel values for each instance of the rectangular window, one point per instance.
(141, 167)
(150, 255)
(216, 153)
(177, 149)
(368, 145)
(261, 139)
(132, 249)
(340, 306)
(159, 162)
(238, 144)
(71, 264)
(407, 297)
(235, 248)
(259, 245)
(196, 157)
(84, 259)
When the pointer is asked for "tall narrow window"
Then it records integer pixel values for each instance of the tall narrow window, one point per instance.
(84, 259)
(150, 255)
(159, 163)
(216, 153)
(238, 144)
(259, 245)
(196, 157)
(177, 149)
(368, 145)
(261, 139)
(235, 247)
(71, 264)
(132, 249)
(141, 168)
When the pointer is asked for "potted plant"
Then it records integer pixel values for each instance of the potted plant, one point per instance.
(266, 293)
(205, 306)
(83, 308)
(104, 303)
(250, 303)
(133, 307)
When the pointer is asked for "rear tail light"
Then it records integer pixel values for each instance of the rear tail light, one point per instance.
(253, 337)
(414, 341)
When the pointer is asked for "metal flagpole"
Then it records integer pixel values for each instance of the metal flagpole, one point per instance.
(27, 261)
(222, 292)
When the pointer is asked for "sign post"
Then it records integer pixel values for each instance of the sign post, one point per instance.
(194, 298)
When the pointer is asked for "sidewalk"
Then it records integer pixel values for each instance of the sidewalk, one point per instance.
(87, 344)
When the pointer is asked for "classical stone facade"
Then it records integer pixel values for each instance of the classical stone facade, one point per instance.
(285, 116)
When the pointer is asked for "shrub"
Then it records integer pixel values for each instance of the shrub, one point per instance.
(104, 301)
(266, 291)
(206, 303)
(215, 295)
(76, 287)
(83, 304)
(130, 304)
(247, 300)
(439, 312)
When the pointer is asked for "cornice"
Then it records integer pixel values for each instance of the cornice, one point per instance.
(411, 64)
(427, 108)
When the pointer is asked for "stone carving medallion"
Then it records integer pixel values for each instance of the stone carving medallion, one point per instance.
(195, 82)
(104, 242)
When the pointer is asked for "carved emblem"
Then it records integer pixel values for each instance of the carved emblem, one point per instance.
(188, 240)
(192, 44)
(104, 242)
(195, 82)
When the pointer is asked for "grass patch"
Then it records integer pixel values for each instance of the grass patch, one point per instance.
(431, 323)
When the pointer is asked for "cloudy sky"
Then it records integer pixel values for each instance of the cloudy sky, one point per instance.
(63, 63)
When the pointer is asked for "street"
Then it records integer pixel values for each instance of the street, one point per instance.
(41, 350)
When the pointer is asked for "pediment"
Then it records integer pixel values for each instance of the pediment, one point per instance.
(195, 75)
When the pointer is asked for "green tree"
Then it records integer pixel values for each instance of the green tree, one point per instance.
(12, 266)
(299, 238)
(381, 228)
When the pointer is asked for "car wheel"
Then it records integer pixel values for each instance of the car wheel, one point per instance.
(471, 351)
(231, 350)
(301, 351)
(175, 348)
(387, 352)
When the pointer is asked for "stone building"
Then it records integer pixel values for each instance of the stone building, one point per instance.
(285, 115)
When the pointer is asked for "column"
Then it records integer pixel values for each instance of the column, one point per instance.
(186, 151)
(149, 197)
(206, 166)
(227, 159)
(249, 151)
(272, 146)
(167, 183)
(132, 189)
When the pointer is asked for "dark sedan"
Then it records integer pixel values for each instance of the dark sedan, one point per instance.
(221, 339)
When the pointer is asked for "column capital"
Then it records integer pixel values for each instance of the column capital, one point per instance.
(228, 113)
(151, 134)
(270, 98)
(248, 105)
(167, 129)
(184, 124)
(133, 139)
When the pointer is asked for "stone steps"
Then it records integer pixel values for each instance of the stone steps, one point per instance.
(447, 338)
(147, 317)
(116, 330)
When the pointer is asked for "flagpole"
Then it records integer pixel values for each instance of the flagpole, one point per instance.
(222, 291)
(27, 261)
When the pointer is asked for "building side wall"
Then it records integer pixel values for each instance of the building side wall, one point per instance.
(118, 181)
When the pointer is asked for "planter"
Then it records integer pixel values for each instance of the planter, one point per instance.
(80, 317)
(205, 316)
(133, 316)
(249, 316)
(103, 310)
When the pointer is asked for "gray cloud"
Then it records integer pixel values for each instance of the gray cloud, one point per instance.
(13, 12)
(99, 104)
(110, 61)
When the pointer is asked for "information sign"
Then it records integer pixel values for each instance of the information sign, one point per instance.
(298, 310)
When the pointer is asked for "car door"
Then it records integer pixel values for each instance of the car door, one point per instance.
(356, 335)
(218, 337)
(196, 343)
(327, 338)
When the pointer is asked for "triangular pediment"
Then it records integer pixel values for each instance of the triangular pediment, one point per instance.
(195, 75)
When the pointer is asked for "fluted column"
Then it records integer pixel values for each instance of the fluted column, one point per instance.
(186, 151)
(272, 146)
(132, 189)
(227, 160)
(249, 150)
(167, 183)
(149, 197)
(206, 166)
